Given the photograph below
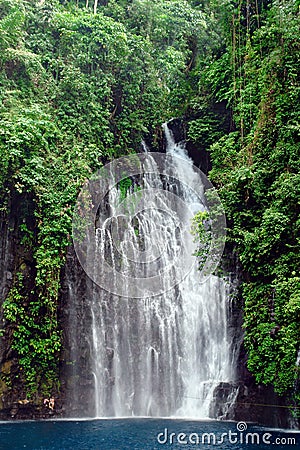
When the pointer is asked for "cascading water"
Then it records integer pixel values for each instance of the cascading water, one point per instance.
(161, 355)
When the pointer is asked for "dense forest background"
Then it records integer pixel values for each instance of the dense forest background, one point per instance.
(83, 82)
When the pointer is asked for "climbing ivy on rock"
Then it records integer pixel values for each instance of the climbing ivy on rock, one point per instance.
(256, 167)
(81, 83)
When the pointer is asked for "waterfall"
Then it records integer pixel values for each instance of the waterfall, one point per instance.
(161, 355)
(298, 359)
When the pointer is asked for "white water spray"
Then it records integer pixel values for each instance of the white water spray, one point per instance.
(162, 355)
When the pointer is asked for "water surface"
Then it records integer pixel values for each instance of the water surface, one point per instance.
(142, 434)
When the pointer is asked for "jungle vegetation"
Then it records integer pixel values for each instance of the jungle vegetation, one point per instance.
(82, 82)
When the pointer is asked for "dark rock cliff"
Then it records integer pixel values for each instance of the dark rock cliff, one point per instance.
(16, 259)
(253, 402)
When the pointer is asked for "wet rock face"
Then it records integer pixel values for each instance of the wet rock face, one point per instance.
(259, 403)
(7, 252)
(77, 383)
(16, 257)
(178, 128)
(224, 396)
(199, 155)
(251, 403)
(10, 259)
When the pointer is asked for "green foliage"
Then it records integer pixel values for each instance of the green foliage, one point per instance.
(78, 87)
(256, 167)
(201, 230)
(124, 186)
(81, 86)
(35, 336)
(11, 24)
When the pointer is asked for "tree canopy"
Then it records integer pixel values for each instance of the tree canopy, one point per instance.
(83, 82)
